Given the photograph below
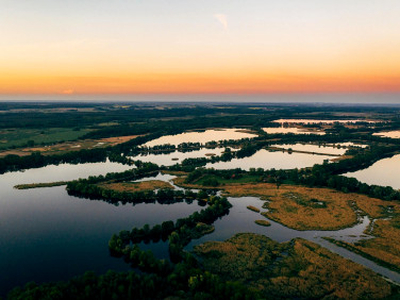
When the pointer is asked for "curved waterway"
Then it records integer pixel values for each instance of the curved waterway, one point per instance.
(241, 219)
(48, 235)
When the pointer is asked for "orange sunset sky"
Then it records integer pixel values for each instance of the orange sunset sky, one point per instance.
(71, 49)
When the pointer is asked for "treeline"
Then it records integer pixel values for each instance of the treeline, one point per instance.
(162, 196)
(186, 281)
(12, 162)
(90, 188)
(325, 175)
(179, 234)
(159, 279)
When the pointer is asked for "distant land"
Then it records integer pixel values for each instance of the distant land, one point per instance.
(332, 98)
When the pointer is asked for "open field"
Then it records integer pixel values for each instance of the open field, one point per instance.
(297, 269)
(70, 146)
(299, 207)
(15, 138)
(137, 186)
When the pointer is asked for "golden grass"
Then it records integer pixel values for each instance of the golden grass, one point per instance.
(293, 206)
(262, 222)
(177, 173)
(297, 269)
(137, 186)
(296, 206)
(385, 246)
(253, 208)
(375, 208)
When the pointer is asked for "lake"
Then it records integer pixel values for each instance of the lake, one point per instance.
(201, 137)
(384, 172)
(47, 235)
(321, 149)
(241, 219)
(175, 157)
(294, 130)
(395, 134)
(271, 159)
(317, 121)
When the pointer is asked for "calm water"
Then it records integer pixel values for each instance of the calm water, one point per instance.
(384, 172)
(294, 130)
(169, 159)
(241, 219)
(395, 134)
(316, 121)
(201, 137)
(322, 149)
(47, 235)
(271, 159)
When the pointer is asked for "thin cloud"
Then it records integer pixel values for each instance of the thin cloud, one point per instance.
(222, 19)
(67, 92)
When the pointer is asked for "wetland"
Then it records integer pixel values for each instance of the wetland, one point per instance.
(180, 201)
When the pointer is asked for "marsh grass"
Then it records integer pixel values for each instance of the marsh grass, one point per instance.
(296, 269)
(137, 186)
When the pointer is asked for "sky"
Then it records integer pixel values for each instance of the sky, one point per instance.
(97, 49)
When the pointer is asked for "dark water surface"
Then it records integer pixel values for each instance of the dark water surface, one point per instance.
(47, 235)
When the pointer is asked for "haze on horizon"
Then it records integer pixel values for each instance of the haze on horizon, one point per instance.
(121, 49)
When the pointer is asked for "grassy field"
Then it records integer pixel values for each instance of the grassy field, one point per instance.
(137, 186)
(11, 138)
(300, 207)
(297, 269)
(386, 230)
(59, 148)
(223, 181)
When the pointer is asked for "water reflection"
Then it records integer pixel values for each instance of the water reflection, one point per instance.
(172, 158)
(241, 219)
(201, 137)
(384, 172)
(294, 130)
(47, 235)
(317, 121)
(324, 149)
(271, 159)
(395, 134)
